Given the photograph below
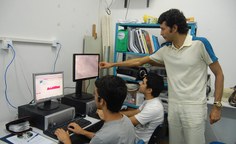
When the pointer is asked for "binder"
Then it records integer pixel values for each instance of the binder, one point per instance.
(155, 43)
(132, 44)
(148, 41)
(122, 41)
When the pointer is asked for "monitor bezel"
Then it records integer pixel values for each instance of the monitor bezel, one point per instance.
(74, 65)
(50, 98)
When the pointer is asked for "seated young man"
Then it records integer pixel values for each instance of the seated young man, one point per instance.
(110, 93)
(151, 113)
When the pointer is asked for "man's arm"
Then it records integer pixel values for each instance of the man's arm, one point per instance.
(78, 130)
(134, 120)
(219, 85)
(88, 134)
(127, 63)
(131, 114)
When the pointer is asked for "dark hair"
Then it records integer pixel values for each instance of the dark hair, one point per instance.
(156, 83)
(113, 90)
(174, 17)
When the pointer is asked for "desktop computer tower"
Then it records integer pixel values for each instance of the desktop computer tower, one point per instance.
(42, 119)
(82, 106)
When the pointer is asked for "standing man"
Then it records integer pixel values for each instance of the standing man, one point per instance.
(110, 93)
(151, 113)
(186, 60)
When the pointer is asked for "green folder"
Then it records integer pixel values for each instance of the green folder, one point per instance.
(122, 41)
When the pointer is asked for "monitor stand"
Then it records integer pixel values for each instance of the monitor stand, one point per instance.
(82, 106)
(79, 94)
(83, 96)
(48, 105)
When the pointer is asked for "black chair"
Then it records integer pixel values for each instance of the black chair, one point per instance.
(160, 133)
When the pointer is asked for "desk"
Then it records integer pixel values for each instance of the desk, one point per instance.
(96, 124)
(224, 129)
(224, 103)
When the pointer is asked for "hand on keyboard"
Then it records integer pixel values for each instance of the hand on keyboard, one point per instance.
(75, 128)
(63, 135)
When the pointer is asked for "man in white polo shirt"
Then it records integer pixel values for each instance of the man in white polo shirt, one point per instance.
(186, 60)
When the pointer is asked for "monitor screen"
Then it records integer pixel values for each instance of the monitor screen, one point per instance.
(85, 66)
(48, 86)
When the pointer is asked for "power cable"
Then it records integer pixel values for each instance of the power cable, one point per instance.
(59, 49)
(5, 75)
(127, 10)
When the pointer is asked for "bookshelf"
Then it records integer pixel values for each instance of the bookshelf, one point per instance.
(125, 26)
(121, 55)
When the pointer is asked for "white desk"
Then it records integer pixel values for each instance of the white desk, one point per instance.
(4, 132)
(224, 129)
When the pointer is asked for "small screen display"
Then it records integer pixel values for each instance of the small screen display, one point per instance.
(48, 86)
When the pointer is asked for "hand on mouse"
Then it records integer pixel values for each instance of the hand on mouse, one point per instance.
(75, 128)
(63, 136)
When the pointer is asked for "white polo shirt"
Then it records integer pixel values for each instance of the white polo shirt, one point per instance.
(186, 69)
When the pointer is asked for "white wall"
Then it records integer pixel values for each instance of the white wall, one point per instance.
(66, 20)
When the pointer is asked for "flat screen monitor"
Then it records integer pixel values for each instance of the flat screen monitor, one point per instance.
(48, 86)
(85, 66)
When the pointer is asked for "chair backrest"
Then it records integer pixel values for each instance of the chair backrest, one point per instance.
(140, 141)
(160, 132)
(156, 135)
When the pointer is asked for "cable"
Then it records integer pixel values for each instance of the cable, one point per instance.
(87, 86)
(22, 71)
(5, 75)
(127, 10)
(59, 49)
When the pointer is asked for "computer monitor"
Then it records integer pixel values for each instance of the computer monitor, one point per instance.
(48, 86)
(85, 66)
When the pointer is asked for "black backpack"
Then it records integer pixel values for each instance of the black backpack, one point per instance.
(232, 98)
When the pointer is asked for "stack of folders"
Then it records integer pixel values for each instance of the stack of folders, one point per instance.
(140, 41)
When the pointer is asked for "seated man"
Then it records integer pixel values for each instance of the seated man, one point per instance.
(151, 113)
(110, 93)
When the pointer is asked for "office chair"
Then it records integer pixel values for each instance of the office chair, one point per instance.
(160, 132)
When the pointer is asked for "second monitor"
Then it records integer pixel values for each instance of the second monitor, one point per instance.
(85, 67)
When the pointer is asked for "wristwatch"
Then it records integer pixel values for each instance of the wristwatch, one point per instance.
(218, 104)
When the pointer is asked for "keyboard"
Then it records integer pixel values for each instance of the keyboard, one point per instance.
(80, 121)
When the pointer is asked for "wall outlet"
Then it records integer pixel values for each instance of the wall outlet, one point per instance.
(6, 43)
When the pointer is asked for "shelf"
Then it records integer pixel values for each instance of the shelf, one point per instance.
(139, 25)
(123, 26)
(130, 105)
(132, 53)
